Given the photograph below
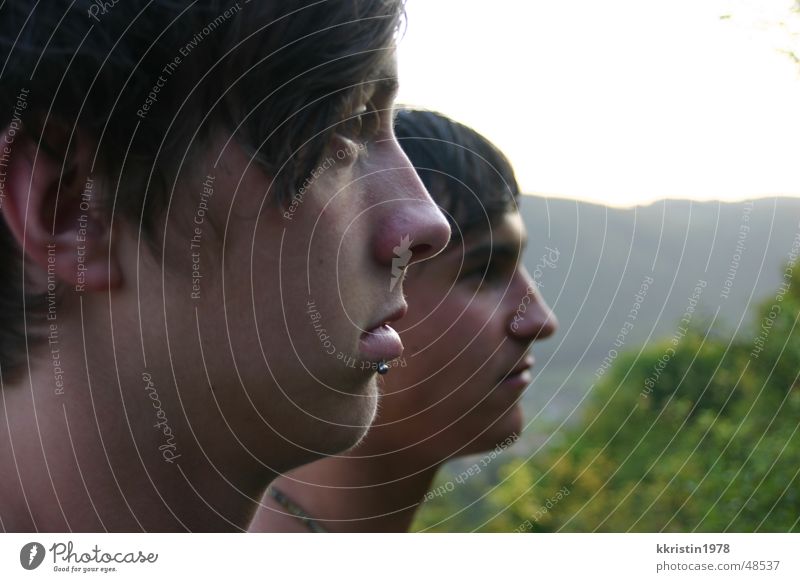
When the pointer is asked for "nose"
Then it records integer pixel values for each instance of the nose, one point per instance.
(412, 228)
(531, 319)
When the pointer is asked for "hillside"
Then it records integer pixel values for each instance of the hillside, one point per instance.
(606, 254)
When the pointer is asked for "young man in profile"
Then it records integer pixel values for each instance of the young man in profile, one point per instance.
(200, 211)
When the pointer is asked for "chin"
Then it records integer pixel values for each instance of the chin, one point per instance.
(513, 421)
(340, 440)
(350, 428)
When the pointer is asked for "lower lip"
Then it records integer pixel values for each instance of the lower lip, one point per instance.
(381, 343)
(518, 381)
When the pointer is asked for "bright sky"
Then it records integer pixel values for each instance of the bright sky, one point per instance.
(618, 101)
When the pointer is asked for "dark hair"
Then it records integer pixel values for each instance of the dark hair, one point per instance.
(149, 84)
(467, 176)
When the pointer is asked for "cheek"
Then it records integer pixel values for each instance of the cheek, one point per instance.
(331, 235)
(455, 341)
(474, 326)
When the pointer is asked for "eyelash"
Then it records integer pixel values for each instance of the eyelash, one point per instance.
(496, 270)
(485, 272)
(363, 124)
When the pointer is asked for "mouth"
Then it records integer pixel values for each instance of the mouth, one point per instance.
(381, 342)
(520, 376)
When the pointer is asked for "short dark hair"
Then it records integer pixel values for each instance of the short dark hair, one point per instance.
(150, 83)
(467, 175)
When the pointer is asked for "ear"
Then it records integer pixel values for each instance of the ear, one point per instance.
(52, 207)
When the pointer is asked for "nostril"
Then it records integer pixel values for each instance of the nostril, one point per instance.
(414, 232)
(421, 250)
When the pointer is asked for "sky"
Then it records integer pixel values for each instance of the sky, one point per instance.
(620, 102)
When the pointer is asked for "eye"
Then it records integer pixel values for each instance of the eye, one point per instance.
(488, 273)
(363, 124)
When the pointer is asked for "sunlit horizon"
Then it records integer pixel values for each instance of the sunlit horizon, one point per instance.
(624, 102)
(650, 202)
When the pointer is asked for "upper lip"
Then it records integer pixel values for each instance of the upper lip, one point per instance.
(396, 314)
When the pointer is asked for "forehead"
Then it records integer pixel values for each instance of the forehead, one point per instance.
(384, 78)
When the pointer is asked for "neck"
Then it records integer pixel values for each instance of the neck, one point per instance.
(97, 455)
(354, 493)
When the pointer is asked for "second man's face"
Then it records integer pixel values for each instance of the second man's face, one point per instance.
(473, 313)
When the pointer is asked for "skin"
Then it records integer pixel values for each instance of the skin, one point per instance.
(176, 411)
(461, 341)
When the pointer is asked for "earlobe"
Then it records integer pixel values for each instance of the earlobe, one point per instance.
(51, 204)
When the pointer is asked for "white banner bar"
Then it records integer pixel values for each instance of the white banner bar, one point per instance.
(354, 557)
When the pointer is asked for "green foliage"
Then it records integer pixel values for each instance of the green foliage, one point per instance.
(698, 434)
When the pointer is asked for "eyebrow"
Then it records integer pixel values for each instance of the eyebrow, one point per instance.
(387, 83)
(500, 251)
(385, 77)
